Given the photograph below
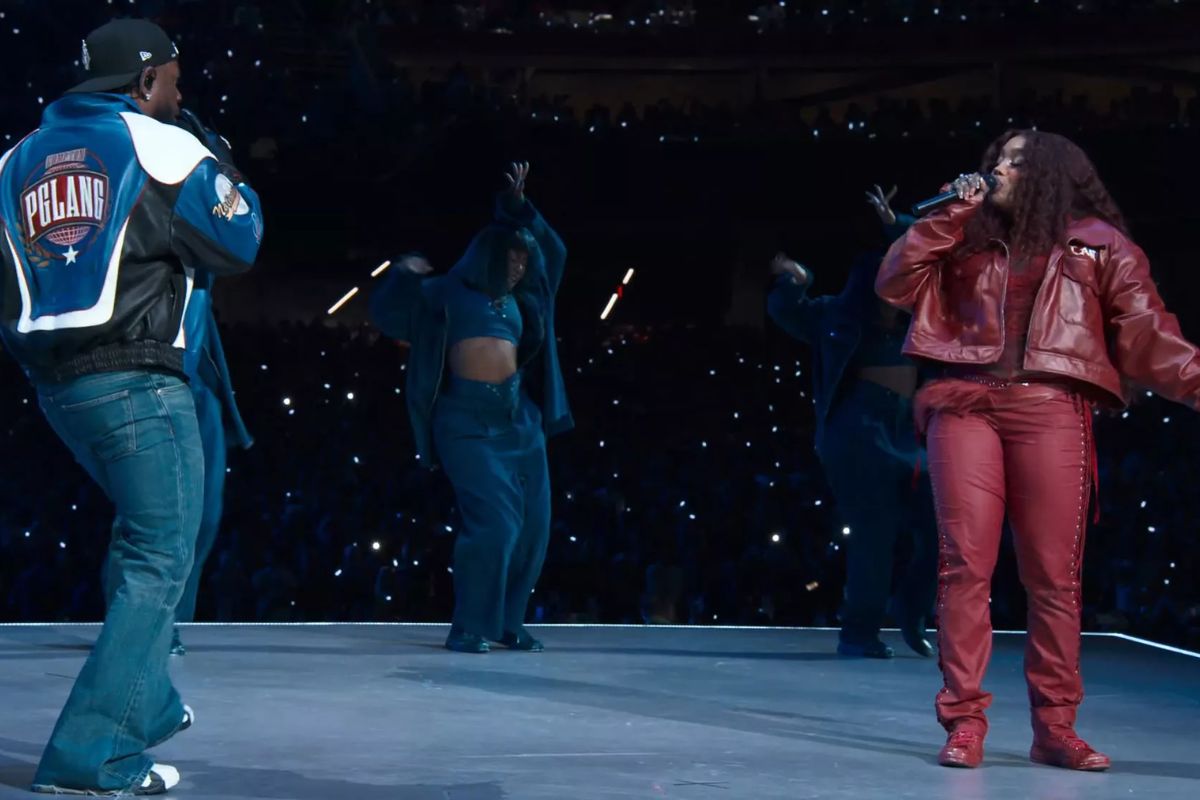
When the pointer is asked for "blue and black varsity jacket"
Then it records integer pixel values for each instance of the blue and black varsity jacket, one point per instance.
(107, 214)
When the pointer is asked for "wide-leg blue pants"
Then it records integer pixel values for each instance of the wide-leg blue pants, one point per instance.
(869, 453)
(490, 441)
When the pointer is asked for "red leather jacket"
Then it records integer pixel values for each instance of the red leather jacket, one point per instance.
(1097, 318)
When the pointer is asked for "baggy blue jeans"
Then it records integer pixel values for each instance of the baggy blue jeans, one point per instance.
(136, 434)
(209, 413)
(490, 441)
(869, 453)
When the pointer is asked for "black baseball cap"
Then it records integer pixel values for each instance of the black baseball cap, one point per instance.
(116, 53)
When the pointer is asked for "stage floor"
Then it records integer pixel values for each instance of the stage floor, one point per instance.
(382, 712)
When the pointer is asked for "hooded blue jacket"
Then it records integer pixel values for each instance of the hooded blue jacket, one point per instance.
(412, 308)
(832, 325)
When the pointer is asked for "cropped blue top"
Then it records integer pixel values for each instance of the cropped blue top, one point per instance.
(472, 314)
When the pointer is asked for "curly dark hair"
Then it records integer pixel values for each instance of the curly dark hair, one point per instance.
(1058, 182)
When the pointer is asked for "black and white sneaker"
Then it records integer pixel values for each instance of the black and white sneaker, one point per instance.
(189, 717)
(161, 779)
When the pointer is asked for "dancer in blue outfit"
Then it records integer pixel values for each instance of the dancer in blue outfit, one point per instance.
(863, 387)
(221, 424)
(482, 336)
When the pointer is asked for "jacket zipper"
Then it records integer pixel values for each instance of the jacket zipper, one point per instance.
(1004, 299)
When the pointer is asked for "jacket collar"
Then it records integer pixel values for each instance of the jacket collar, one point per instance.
(73, 107)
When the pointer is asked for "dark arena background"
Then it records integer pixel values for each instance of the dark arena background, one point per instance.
(691, 594)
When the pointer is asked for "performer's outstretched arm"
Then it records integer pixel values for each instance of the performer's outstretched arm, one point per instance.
(894, 225)
(395, 303)
(514, 208)
(1146, 341)
(789, 304)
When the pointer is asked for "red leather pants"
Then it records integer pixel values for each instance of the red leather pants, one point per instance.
(1025, 449)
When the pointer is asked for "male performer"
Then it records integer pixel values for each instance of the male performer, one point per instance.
(107, 210)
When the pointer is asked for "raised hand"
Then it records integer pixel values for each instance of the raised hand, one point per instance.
(782, 265)
(415, 264)
(882, 203)
(516, 176)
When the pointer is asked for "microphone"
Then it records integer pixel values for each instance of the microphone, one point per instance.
(939, 200)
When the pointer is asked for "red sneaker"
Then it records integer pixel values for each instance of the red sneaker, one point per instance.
(963, 749)
(1068, 752)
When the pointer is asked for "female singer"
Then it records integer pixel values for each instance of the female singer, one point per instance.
(1035, 304)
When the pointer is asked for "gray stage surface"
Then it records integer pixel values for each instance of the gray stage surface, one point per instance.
(382, 712)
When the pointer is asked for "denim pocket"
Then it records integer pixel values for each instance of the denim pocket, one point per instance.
(478, 424)
(165, 412)
(94, 402)
(465, 420)
(103, 425)
(176, 396)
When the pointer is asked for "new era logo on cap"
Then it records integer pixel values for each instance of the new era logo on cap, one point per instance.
(117, 52)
